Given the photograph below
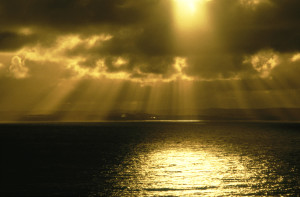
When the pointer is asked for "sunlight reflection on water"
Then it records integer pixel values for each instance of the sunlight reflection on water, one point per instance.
(151, 159)
(189, 169)
(198, 159)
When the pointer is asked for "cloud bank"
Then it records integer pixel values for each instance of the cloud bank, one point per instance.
(90, 36)
(219, 46)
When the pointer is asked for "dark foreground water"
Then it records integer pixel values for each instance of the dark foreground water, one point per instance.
(150, 159)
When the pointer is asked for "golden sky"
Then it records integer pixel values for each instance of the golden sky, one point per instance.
(148, 55)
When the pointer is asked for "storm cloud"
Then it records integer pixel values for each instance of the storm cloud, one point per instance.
(236, 48)
(144, 33)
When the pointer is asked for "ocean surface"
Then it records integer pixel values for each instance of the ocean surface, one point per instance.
(150, 159)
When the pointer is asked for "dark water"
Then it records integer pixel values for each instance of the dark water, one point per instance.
(150, 159)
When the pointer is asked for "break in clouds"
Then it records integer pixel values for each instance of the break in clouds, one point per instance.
(139, 40)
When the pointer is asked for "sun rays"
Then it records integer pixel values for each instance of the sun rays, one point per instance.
(172, 57)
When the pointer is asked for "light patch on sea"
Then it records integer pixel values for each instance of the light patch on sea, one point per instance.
(193, 163)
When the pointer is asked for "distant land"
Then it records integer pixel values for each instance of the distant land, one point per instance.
(214, 114)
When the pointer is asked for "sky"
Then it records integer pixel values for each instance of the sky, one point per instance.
(148, 56)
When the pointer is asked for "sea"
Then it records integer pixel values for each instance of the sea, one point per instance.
(150, 158)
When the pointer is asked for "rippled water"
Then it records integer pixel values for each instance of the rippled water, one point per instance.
(158, 159)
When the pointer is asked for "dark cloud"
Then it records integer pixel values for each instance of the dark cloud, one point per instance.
(268, 25)
(143, 32)
(10, 41)
(65, 14)
(218, 65)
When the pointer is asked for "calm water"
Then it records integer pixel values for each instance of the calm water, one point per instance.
(150, 159)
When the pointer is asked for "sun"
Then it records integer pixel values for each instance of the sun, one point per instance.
(189, 14)
(188, 6)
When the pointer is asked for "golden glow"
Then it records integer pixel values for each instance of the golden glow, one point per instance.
(188, 6)
(96, 72)
(190, 169)
(175, 93)
(92, 41)
(17, 68)
(190, 14)
(120, 62)
(57, 54)
(180, 63)
(85, 71)
(191, 63)
(264, 62)
(296, 57)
